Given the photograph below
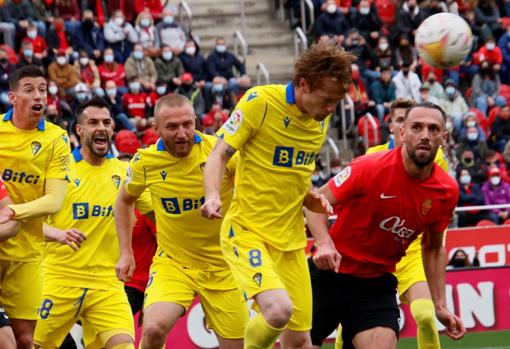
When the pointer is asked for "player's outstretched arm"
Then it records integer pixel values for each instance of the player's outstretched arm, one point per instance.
(8, 227)
(213, 176)
(70, 237)
(124, 221)
(327, 256)
(434, 262)
(51, 202)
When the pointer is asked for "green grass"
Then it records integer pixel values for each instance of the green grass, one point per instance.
(481, 340)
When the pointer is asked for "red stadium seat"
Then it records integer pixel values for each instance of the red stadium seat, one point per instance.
(507, 222)
(485, 223)
(492, 115)
(371, 134)
(150, 137)
(386, 10)
(504, 90)
(482, 120)
(12, 57)
(126, 142)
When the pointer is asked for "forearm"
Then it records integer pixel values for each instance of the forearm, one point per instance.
(434, 262)
(8, 229)
(51, 202)
(124, 222)
(51, 233)
(318, 226)
(213, 175)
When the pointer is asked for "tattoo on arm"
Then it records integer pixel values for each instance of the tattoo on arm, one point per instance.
(229, 151)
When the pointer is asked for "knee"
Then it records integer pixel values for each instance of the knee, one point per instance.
(25, 341)
(423, 313)
(154, 331)
(278, 312)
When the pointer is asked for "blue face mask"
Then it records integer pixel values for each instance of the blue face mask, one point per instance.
(167, 56)
(108, 58)
(138, 55)
(134, 86)
(28, 53)
(168, 19)
(161, 90)
(221, 48)
(217, 88)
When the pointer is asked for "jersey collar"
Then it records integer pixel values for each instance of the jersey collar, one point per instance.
(40, 125)
(160, 145)
(391, 143)
(77, 155)
(290, 96)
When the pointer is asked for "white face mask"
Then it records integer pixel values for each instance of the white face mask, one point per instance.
(331, 8)
(84, 61)
(364, 10)
(315, 178)
(190, 50)
(61, 60)
(168, 19)
(138, 55)
(167, 55)
(108, 58)
(32, 34)
(221, 48)
(471, 123)
(383, 46)
(449, 125)
(53, 90)
(472, 136)
(490, 46)
(112, 92)
(450, 90)
(495, 180)
(145, 22)
(119, 21)
(465, 179)
(161, 90)
(134, 86)
(335, 170)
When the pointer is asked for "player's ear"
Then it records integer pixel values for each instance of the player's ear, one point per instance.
(304, 85)
(402, 131)
(12, 97)
(392, 127)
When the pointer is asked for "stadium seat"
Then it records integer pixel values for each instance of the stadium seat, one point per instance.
(485, 223)
(386, 10)
(492, 115)
(507, 222)
(504, 90)
(126, 142)
(482, 120)
(371, 134)
(150, 137)
(12, 56)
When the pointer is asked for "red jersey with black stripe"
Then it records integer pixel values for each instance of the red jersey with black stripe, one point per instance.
(382, 209)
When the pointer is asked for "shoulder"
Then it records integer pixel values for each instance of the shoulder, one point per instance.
(377, 148)
(54, 131)
(447, 182)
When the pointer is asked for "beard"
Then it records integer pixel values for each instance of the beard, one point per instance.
(422, 161)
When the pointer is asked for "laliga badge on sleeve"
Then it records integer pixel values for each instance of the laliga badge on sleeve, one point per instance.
(234, 122)
(342, 176)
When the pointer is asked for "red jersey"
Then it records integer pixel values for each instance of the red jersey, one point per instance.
(135, 104)
(381, 210)
(113, 72)
(38, 43)
(144, 247)
(3, 190)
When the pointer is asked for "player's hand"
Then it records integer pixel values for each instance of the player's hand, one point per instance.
(71, 237)
(327, 257)
(6, 212)
(125, 267)
(454, 327)
(211, 208)
(318, 203)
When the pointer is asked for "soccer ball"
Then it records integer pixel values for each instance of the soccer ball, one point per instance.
(443, 40)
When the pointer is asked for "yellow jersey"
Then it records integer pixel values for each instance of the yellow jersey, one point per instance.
(177, 191)
(278, 145)
(440, 159)
(27, 159)
(88, 207)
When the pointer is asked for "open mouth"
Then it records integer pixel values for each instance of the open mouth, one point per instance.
(101, 140)
(424, 147)
(38, 107)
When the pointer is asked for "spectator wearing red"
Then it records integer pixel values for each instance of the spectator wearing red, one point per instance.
(490, 53)
(38, 42)
(135, 104)
(112, 70)
(496, 192)
(160, 91)
(58, 38)
(88, 73)
(69, 11)
(212, 121)
(155, 7)
(358, 92)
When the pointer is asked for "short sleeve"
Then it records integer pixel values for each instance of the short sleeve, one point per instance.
(60, 162)
(245, 120)
(443, 221)
(348, 183)
(144, 202)
(3, 190)
(135, 177)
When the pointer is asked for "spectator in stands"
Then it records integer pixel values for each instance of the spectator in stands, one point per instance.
(470, 194)
(112, 70)
(500, 129)
(405, 52)
(88, 73)
(425, 95)
(214, 119)
(42, 14)
(54, 116)
(193, 93)
(383, 93)
(496, 192)
(407, 83)
(383, 54)
(120, 36)
(38, 42)
(506, 153)
(495, 159)
(331, 21)
(69, 11)
(221, 63)
(58, 38)
(194, 63)
(169, 68)
(408, 19)
(367, 21)
(366, 59)
(490, 53)
(141, 67)
(154, 96)
(471, 120)
(504, 45)
(89, 36)
(244, 85)
(154, 7)
(469, 162)
(476, 28)
(432, 7)
(7, 27)
(26, 56)
(6, 69)
(135, 104)
(488, 17)
(454, 105)
(82, 95)
(473, 142)
(114, 100)
(22, 14)
(460, 259)
(359, 94)
(169, 33)
(146, 34)
(218, 94)
(436, 89)
(486, 86)
(63, 74)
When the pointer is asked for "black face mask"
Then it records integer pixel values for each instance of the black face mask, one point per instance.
(88, 24)
(3, 60)
(459, 262)
(411, 8)
(405, 72)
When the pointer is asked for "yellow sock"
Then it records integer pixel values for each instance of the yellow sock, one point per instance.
(339, 341)
(424, 315)
(258, 334)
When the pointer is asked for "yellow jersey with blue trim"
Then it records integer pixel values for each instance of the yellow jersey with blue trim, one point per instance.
(278, 145)
(177, 191)
(27, 159)
(88, 207)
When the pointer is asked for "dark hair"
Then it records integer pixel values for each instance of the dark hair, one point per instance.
(428, 105)
(401, 103)
(95, 102)
(28, 71)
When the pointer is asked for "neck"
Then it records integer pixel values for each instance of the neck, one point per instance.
(413, 170)
(23, 124)
(299, 100)
(90, 157)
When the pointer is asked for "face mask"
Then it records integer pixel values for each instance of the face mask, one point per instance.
(471, 123)
(331, 8)
(28, 53)
(495, 180)
(134, 86)
(465, 179)
(119, 21)
(84, 60)
(490, 46)
(145, 22)
(161, 90)
(315, 178)
(61, 60)
(472, 136)
(431, 81)
(32, 34)
(168, 19)
(217, 88)
(138, 55)
(450, 90)
(459, 262)
(411, 8)
(112, 92)
(468, 162)
(221, 48)
(364, 10)
(88, 23)
(167, 55)
(405, 72)
(53, 90)
(336, 170)
(3, 60)
(190, 50)
(383, 46)
(108, 58)
(82, 96)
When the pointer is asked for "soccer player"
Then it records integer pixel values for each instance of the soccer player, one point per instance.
(34, 162)
(386, 200)
(412, 283)
(81, 284)
(279, 131)
(189, 261)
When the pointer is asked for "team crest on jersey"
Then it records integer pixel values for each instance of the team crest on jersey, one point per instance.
(342, 176)
(258, 279)
(116, 181)
(252, 95)
(77, 182)
(426, 206)
(286, 121)
(64, 138)
(36, 146)
(163, 174)
(234, 121)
